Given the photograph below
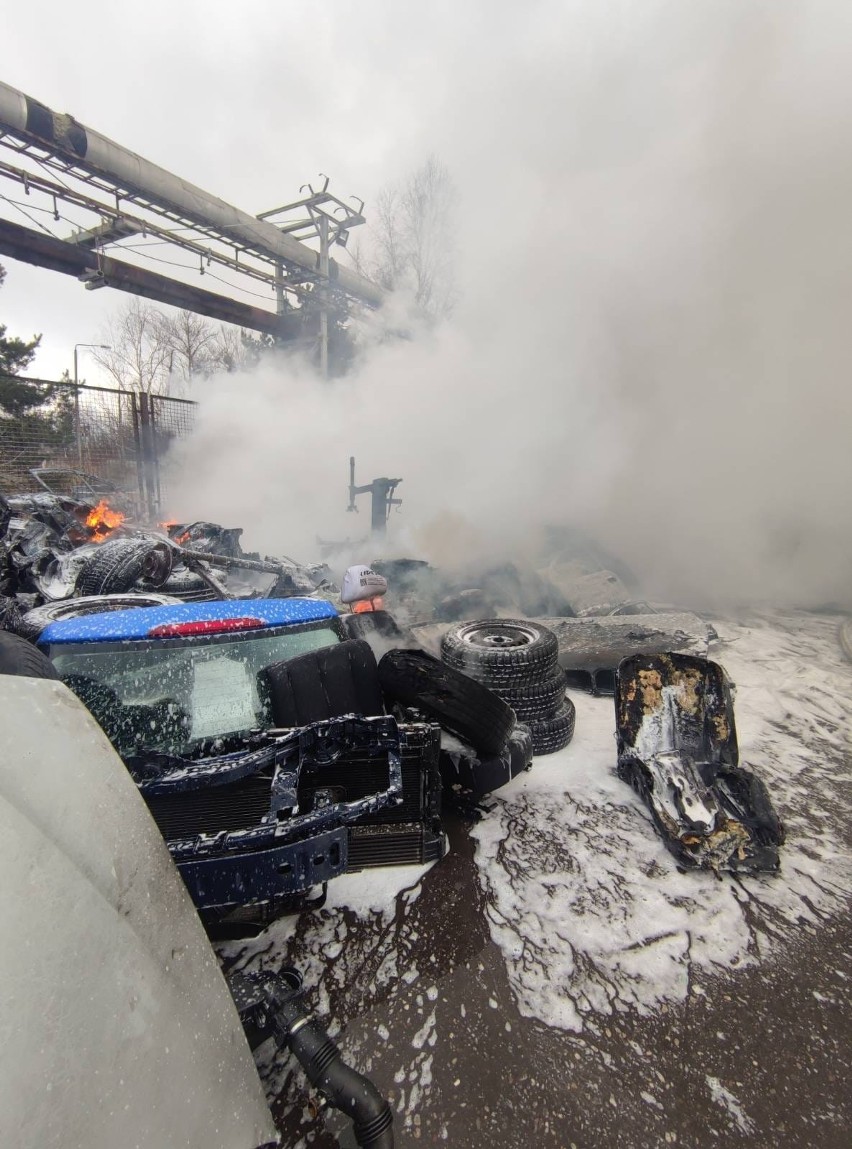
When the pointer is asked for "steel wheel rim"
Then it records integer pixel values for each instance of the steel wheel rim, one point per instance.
(495, 636)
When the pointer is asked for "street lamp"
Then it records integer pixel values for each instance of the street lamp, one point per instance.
(102, 347)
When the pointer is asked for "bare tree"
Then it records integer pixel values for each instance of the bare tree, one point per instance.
(235, 349)
(428, 204)
(158, 353)
(390, 263)
(190, 340)
(138, 357)
(412, 241)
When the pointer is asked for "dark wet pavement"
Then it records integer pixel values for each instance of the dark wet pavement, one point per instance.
(463, 1068)
(752, 1049)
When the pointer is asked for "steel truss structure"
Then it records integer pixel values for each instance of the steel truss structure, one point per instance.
(116, 199)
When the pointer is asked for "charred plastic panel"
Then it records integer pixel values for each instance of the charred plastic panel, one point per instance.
(591, 648)
(677, 746)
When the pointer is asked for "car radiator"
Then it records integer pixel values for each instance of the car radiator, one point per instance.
(408, 833)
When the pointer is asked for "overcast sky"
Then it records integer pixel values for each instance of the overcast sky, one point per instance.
(249, 101)
(655, 249)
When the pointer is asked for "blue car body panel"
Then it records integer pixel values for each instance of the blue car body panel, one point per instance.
(280, 850)
(125, 625)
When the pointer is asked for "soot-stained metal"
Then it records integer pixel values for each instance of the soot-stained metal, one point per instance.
(677, 747)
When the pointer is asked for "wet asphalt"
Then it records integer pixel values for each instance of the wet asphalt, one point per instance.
(775, 1038)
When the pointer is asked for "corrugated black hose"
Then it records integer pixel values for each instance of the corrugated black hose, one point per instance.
(344, 1088)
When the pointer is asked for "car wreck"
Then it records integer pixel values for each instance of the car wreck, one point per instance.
(259, 740)
(284, 732)
(123, 972)
(677, 747)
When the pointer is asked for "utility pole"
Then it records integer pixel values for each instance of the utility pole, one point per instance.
(78, 435)
(280, 300)
(328, 220)
(323, 347)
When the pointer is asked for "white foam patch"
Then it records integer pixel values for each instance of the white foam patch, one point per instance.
(376, 891)
(584, 900)
(730, 1104)
(330, 954)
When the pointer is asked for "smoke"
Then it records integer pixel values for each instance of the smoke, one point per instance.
(653, 334)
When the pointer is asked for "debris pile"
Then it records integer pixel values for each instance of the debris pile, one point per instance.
(55, 548)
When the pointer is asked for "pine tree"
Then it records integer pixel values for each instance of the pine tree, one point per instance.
(16, 397)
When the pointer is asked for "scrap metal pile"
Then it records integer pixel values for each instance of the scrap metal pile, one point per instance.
(59, 556)
(497, 686)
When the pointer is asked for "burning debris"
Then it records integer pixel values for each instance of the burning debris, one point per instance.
(102, 519)
(54, 548)
(499, 692)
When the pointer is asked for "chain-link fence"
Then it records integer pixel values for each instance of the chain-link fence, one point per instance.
(57, 435)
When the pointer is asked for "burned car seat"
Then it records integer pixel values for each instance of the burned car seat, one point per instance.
(677, 747)
(323, 684)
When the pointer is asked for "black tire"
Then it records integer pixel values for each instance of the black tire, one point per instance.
(17, 656)
(34, 621)
(551, 734)
(536, 700)
(371, 622)
(119, 563)
(464, 707)
(467, 777)
(501, 651)
(326, 683)
(186, 584)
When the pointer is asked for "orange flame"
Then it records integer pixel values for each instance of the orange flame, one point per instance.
(102, 519)
(179, 539)
(367, 604)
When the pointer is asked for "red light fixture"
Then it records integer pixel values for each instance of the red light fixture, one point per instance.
(203, 626)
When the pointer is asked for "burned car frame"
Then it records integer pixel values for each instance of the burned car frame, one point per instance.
(254, 815)
(289, 851)
(677, 747)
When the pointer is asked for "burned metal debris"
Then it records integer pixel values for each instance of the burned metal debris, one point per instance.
(288, 849)
(591, 648)
(55, 548)
(677, 746)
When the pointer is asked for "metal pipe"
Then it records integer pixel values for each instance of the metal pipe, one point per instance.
(225, 561)
(32, 122)
(34, 247)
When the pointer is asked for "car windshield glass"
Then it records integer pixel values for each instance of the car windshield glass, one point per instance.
(169, 696)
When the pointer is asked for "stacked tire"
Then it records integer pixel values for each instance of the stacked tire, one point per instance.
(518, 660)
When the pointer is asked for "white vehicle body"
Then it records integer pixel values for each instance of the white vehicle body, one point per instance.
(116, 1025)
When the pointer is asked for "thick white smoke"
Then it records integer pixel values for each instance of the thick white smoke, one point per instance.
(653, 336)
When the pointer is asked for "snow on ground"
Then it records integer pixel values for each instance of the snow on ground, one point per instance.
(585, 902)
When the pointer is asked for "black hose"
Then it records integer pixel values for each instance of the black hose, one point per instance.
(345, 1088)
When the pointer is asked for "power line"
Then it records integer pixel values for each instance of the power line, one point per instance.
(23, 212)
(188, 267)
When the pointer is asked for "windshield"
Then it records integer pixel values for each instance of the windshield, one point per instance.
(171, 695)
